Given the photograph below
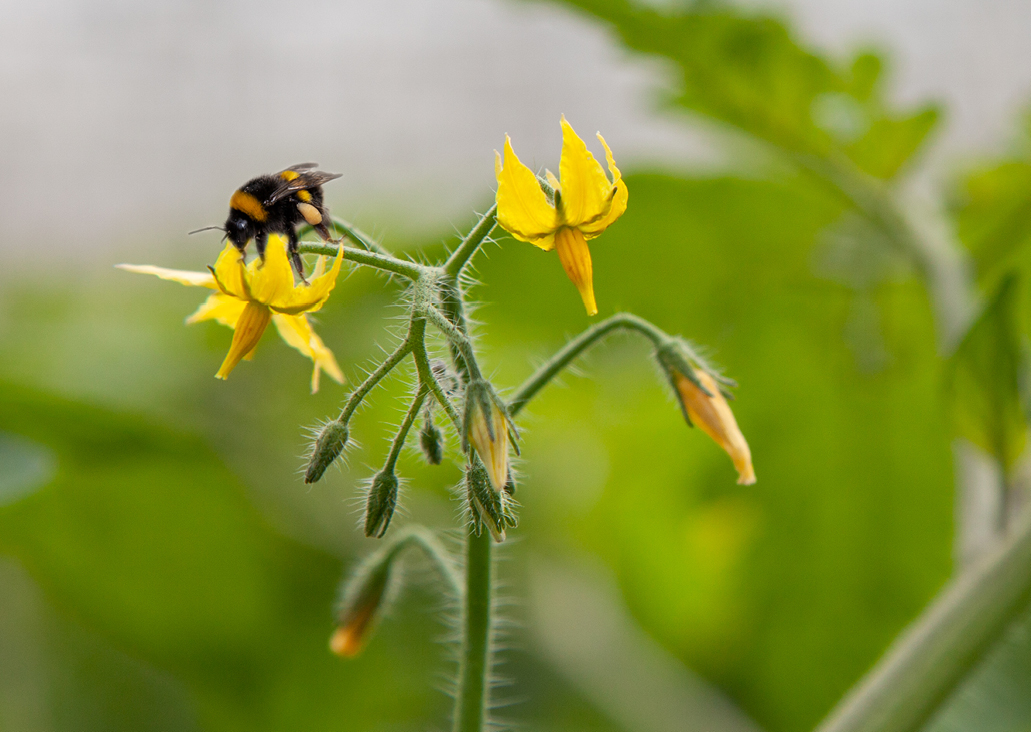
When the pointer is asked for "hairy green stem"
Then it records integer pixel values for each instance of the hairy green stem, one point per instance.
(422, 365)
(405, 428)
(572, 350)
(456, 338)
(385, 262)
(474, 665)
(926, 663)
(352, 232)
(472, 242)
(426, 540)
(358, 236)
(374, 378)
(451, 304)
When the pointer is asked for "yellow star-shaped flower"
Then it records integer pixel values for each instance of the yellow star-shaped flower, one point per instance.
(585, 204)
(249, 296)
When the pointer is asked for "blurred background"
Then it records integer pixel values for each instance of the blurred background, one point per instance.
(162, 564)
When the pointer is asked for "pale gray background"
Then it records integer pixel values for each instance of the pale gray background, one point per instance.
(124, 124)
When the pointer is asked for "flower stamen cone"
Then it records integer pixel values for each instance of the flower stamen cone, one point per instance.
(576, 261)
(248, 331)
(584, 202)
(712, 413)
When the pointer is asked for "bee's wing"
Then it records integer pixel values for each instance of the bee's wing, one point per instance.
(306, 179)
(302, 166)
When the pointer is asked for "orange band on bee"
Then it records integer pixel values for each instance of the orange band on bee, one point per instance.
(249, 205)
(303, 196)
(289, 175)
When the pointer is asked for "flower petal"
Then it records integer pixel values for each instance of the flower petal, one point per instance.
(523, 209)
(618, 194)
(308, 298)
(296, 330)
(219, 306)
(249, 329)
(182, 276)
(576, 261)
(585, 188)
(229, 271)
(270, 279)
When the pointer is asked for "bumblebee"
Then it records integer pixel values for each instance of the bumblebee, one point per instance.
(278, 204)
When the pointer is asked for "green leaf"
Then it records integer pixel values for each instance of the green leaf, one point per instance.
(145, 538)
(749, 71)
(993, 207)
(994, 697)
(984, 380)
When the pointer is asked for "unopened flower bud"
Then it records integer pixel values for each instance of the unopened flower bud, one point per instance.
(328, 445)
(485, 428)
(359, 610)
(704, 405)
(380, 505)
(490, 507)
(431, 440)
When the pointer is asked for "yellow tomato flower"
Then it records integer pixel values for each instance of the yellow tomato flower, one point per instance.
(250, 296)
(585, 204)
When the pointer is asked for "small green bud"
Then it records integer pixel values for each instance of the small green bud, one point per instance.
(328, 445)
(431, 440)
(491, 508)
(380, 505)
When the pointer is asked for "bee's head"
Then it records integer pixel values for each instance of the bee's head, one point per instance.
(239, 228)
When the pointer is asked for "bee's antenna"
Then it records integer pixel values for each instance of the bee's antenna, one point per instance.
(206, 228)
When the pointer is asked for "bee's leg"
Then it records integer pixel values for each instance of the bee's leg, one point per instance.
(295, 255)
(260, 241)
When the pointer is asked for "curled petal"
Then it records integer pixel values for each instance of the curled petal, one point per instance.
(182, 276)
(617, 193)
(249, 329)
(229, 272)
(576, 261)
(308, 298)
(523, 209)
(296, 330)
(585, 188)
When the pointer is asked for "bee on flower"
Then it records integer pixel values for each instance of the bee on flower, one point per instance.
(248, 297)
(583, 203)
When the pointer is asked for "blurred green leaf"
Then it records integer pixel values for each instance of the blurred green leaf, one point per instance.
(995, 696)
(749, 71)
(145, 537)
(993, 207)
(984, 379)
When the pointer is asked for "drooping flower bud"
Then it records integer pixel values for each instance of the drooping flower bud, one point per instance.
(360, 608)
(431, 440)
(490, 507)
(485, 427)
(704, 404)
(328, 445)
(380, 504)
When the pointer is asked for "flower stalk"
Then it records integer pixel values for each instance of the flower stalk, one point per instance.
(562, 213)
